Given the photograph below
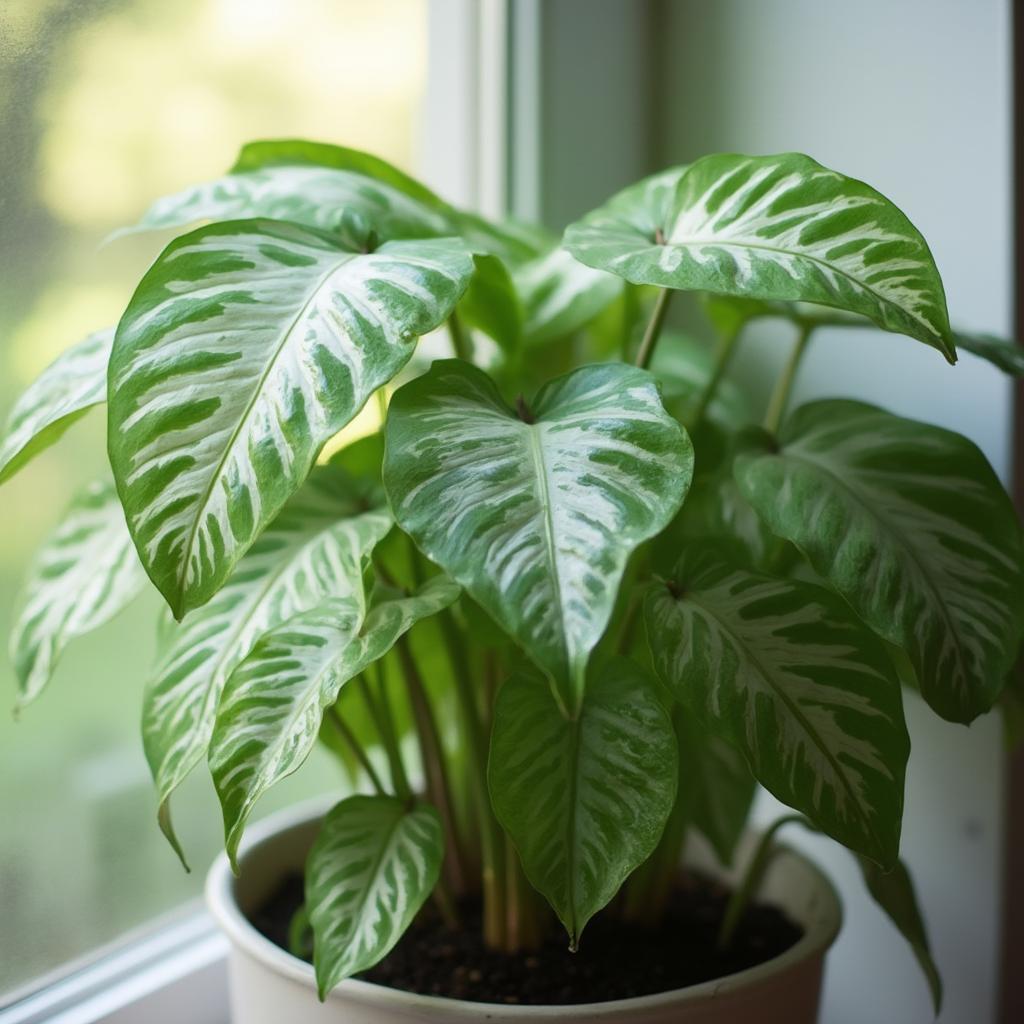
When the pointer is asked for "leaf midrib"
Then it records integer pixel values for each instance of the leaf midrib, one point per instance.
(242, 421)
(793, 709)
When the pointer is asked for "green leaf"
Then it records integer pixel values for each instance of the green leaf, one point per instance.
(373, 865)
(318, 547)
(893, 891)
(561, 295)
(584, 800)
(342, 190)
(1002, 353)
(272, 705)
(64, 392)
(536, 514)
(718, 785)
(255, 156)
(82, 576)
(512, 241)
(246, 347)
(784, 671)
(773, 227)
(491, 303)
(910, 524)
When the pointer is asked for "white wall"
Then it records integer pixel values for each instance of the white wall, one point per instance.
(912, 96)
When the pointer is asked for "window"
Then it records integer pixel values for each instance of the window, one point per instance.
(104, 105)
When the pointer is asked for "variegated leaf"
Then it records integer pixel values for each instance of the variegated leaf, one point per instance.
(536, 513)
(272, 705)
(245, 348)
(65, 391)
(784, 671)
(911, 525)
(318, 547)
(584, 800)
(561, 295)
(774, 227)
(332, 198)
(373, 865)
(82, 576)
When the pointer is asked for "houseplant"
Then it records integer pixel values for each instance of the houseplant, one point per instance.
(565, 571)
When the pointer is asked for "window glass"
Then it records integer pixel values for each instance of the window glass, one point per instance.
(104, 105)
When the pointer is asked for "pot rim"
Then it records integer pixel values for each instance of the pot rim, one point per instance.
(818, 936)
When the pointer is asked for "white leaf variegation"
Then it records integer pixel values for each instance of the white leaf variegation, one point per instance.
(272, 705)
(560, 295)
(536, 513)
(784, 670)
(773, 227)
(82, 576)
(317, 548)
(246, 347)
(911, 525)
(585, 800)
(373, 865)
(66, 390)
(321, 197)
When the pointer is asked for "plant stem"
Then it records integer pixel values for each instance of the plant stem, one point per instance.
(654, 325)
(723, 356)
(491, 855)
(744, 892)
(434, 769)
(780, 396)
(357, 750)
(460, 343)
(381, 715)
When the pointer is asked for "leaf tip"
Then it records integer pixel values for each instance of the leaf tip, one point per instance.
(163, 818)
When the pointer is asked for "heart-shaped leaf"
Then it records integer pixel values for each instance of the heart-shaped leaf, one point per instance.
(536, 513)
(318, 547)
(65, 391)
(272, 705)
(772, 227)
(373, 865)
(82, 576)
(910, 524)
(584, 800)
(783, 670)
(561, 295)
(246, 347)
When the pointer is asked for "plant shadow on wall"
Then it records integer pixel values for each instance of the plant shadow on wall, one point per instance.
(566, 569)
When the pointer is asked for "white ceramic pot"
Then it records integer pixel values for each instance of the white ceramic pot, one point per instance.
(269, 986)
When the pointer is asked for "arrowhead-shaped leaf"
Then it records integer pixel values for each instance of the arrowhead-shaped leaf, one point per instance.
(318, 185)
(82, 576)
(584, 800)
(246, 347)
(893, 891)
(772, 227)
(65, 391)
(272, 705)
(318, 547)
(784, 671)
(536, 514)
(910, 524)
(373, 864)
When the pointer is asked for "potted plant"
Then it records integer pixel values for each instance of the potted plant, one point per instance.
(558, 603)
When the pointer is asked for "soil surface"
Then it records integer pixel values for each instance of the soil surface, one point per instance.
(615, 960)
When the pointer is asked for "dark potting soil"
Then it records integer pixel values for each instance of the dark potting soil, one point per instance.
(616, 960)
